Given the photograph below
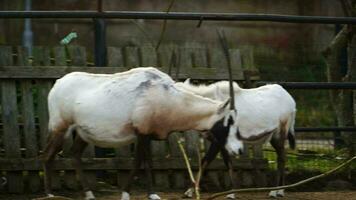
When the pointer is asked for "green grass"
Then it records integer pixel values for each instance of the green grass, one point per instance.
(318, 160)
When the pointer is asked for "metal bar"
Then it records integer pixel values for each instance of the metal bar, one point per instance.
(312, 85)
(100, 38)
(325, 129)
(180, 16)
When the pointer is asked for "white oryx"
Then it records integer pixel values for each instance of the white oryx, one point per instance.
(266, 113)
(112, 110)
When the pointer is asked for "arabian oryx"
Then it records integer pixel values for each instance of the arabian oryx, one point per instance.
(112, 110)
(266, 113)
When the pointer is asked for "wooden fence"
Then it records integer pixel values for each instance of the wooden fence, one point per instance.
(25, 83)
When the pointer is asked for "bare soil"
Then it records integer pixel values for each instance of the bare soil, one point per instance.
(340, 195)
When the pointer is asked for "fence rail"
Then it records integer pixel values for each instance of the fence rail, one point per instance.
(179, 16)
(313, 85)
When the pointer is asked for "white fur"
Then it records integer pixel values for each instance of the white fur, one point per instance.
(233, 145)
(230, 196)
(89, 195)
(154, 197)
(50, 195)
(259, 110)
(125, 196)
(276, 193)
(107, 110)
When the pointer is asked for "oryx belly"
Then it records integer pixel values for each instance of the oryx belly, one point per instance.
(262, 110)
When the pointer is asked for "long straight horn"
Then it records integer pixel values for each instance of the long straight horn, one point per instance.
(225, 47)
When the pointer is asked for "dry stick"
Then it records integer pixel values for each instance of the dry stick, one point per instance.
(285, 186)
(164, 26)
(197, 181)
(188, 166)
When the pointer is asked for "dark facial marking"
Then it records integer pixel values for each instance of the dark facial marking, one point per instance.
(220, 132)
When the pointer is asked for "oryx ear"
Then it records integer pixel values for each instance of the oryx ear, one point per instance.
(187, 81)
(223, 105)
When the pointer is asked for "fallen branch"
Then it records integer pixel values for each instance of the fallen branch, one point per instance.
(285, 186)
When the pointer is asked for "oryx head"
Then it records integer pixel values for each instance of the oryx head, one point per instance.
(226, 131)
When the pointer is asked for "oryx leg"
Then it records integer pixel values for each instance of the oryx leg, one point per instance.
(142, 157)
(77, 150)
(147, 163)
(278, 145)
(137, 164)
(54, 145)
(227, 160)
(213, 151)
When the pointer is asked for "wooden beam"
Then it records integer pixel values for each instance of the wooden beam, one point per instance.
(123, 164)
(54, 72)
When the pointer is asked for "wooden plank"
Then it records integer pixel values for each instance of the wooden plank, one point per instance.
(247, 57)
(115, 57)
(217, 60)
(122, 153)
(257, 151)
(236, 63)
(159, 151)
(70, 179)
(28, 118)
(22, 56)
(200, 58)
(55, 72)
(171, 163)
(11, 133)
(40, 55)
(165, 54)
(60, 58)
(148, 56)
(246, 151)
(179, 177)
(185, 62)
(77, 55)
(132, 59)
(192, 145)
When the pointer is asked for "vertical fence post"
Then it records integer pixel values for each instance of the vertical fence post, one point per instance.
(11, 132)
(100, 39)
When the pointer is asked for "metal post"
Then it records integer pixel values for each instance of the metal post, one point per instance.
(27, 37)
(100, 39)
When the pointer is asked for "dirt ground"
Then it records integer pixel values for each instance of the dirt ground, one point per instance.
(347, 195)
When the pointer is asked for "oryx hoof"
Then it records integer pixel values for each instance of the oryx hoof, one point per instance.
(154, 197)
(125, 196)
(189, 193)
(276, 193)
(89, 195)
(230, 196)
